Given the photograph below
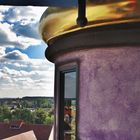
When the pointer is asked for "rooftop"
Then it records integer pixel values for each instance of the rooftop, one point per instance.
(23, 136)
(41, 132)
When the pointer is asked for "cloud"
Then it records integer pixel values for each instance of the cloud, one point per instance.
(19, 26)
(24, 14)
(25, 76)
(3, 9)
(9, 38)
(20, 75)
(16, 55)
(2, 51)
(1, 16)
(29, 30)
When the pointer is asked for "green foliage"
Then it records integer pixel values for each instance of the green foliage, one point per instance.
(42, 103)
(22, 114)
(37, 111)
(37, 103)
(38, 116)
(49, 120)
(43, 117)
(5, 113)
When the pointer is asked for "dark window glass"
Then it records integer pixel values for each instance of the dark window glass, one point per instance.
(70, 105)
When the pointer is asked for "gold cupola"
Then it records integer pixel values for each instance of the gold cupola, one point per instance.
(59, 21)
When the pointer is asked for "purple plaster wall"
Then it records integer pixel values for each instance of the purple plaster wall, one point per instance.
(109, 95)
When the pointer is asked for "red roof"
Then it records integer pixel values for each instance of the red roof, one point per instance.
(16, 124)
(41, 131)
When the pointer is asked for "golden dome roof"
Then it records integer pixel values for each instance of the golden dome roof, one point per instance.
(59, 21)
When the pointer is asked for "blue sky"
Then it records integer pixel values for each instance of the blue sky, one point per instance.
(24, 71)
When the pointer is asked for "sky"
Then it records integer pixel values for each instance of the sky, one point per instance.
(24, 70)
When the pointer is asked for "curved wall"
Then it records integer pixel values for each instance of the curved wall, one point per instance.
(109, 92)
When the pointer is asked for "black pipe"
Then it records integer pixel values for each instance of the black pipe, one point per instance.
(82, 20)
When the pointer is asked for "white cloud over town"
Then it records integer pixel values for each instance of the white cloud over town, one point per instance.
(21, 75)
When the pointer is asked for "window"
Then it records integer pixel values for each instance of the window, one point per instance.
(70, 104)
(67, 102)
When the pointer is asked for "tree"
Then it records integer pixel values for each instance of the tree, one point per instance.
(26, 115)
(40, 116)
(22, 114)
(49, 119)
(5, 113)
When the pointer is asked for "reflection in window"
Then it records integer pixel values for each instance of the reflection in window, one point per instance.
(70, 105)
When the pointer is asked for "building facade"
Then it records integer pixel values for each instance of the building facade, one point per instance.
(97, 71)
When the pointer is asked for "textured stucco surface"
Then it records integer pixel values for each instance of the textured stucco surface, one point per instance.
(109, 94)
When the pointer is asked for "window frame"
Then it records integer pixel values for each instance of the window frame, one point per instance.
(60, 70)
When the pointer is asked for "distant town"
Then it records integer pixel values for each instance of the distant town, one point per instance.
(31, 110)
